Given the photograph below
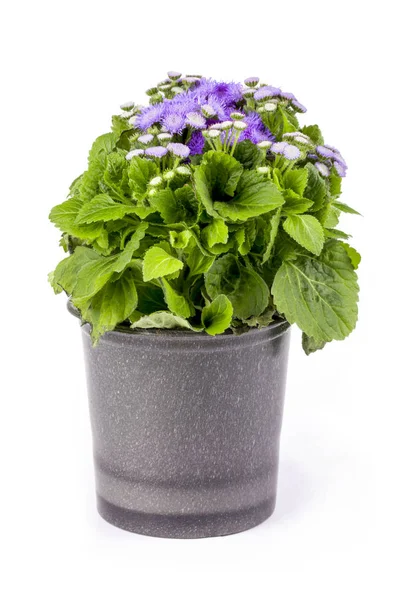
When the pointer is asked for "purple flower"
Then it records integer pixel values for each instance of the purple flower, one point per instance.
(267, 91)
(156, 151)
(228, 93)
(323, 169)
(219, 107)
(291, 152)
(300, 107)
(196, 120)
(288, 95)
(278, 147)
(332, 148)
(341, 170)
(256, 130)
(174, 121)
(336, 155)
(196, 143)
(150, 115)
(325, 152)
(180, 150)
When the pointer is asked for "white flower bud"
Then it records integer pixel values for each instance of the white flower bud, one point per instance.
(156, 181)
(239, 125)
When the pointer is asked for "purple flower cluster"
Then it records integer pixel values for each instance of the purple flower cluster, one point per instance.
(194, 106)
(206, 102)
(266, 92)
(328, 157)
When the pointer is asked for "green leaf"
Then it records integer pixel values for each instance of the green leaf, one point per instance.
(111, 305)
(119, 124)
(64, 215)
(319, 294)
(245, 236)
(247, 291)
(345, 208)
(163, 320)
(102, 208)
(310, 344)
(263, 320)
(179, 206)
(248, 154)
(329, 216)
(198, 262)
(223, 277)
(140, 172)
(316, 188)
(92, 179)
(150, 298)
(216, 179)
(306, 231)
(271, 232)
(294, 203)
(102, 146)
(314, 132)
(335, 184)
(217, 316)
(254, 197)
(251, 296)
(176, 302)
(85, 272)
(116, 175)
(215, 233)
(296, 180)
(158, 262)
(336, 234)
(352, 253)
(180, 239)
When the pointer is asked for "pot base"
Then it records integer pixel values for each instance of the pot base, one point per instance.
(184, 526)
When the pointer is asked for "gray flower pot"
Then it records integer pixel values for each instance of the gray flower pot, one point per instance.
(186, 428)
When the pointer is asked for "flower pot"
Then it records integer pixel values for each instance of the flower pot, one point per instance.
(186, 428)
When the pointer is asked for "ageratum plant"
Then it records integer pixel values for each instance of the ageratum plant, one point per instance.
(211, 209)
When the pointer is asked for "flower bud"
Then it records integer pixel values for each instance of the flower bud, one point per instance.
(237, 116)
(168, 175)
(225, 125)
(239, 125)
(127, 106)
(251, 82)
(208, 111)
(156, 181)
(146, 138)
(263, 170)
(213, 133)
(174, 75)
(183, 170)
(265, 144)
(156, 98)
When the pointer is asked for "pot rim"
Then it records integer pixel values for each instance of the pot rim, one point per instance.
(123, 334)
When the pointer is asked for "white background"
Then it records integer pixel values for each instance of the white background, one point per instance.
(66, 68)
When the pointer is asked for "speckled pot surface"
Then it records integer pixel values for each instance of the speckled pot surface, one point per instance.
(186, 428)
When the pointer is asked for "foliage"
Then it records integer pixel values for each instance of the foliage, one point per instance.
(208, 211)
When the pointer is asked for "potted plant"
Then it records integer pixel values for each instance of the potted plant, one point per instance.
(204, 225)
